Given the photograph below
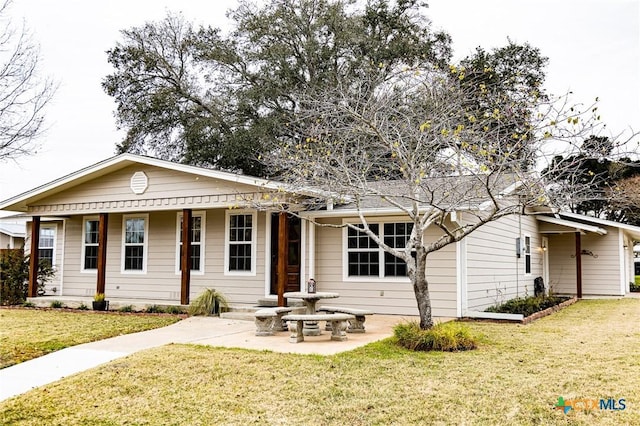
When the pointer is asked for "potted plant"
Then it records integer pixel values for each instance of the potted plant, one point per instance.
(99, 304)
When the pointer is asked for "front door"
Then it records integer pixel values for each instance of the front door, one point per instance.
(292, 255)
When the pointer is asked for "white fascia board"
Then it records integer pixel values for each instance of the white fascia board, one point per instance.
(633, 230)
(570, 224)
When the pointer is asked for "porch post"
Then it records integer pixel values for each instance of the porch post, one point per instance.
(578, 265)
(103, 224)
(282, 256)
(185, 257)
(34, 258)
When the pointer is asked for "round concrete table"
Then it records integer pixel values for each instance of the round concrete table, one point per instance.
(311, 328)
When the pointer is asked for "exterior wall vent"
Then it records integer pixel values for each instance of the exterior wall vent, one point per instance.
(139, 182)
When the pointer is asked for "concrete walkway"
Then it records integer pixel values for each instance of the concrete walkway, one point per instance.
(212, 331)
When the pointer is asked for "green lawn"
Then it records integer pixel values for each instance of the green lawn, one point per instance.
(29, 333)
(589, 350)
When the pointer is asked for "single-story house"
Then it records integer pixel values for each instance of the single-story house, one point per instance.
(118, 227)
(12, 233)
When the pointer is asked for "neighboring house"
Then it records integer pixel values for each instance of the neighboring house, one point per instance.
(12, 233)
(117, 227)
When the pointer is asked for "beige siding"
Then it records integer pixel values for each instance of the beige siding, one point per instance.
(161, 280)
(600, 275)
(167, 189)
(380, 295)
(494, 273)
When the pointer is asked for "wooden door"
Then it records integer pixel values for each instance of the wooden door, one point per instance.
(292, 255)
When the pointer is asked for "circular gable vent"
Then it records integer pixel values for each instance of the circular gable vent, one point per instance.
(139, 182)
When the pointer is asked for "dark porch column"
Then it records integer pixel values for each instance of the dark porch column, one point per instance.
(34, 257)
(283, 251)
(185, 257)
(102, 252)
(578, 265)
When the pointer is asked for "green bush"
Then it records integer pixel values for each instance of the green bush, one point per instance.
(126, 308)
(447, 337)
(635, 286)
(527, 305)
(56, 304)
(175, 310)
(155, 309)
(208, 302)
(14, 276)
(83, 307)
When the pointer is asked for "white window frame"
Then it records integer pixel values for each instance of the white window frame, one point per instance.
(526, 253)
(145, 244)
(345, 252)
(203, 220)
(85, 219)
(254, 245)
(53, 247)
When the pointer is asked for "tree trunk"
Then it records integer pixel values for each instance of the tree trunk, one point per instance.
(421, 289)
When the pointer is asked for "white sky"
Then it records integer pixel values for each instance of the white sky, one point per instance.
(593, 46)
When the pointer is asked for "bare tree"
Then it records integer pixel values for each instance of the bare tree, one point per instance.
(413, 143)
(23, 94)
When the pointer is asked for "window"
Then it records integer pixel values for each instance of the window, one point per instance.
(396, 235)
(134, 244)
(527, 254)
(90, 245)
(363, 254)
(197, 243)
(46, 244)
(240, 248)
(365, 257)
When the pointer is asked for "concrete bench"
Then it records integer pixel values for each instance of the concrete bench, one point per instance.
(356, 325)
(338, 325)
(269, 320)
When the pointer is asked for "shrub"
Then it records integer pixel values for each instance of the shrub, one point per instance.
(208, 303)
(175, 310)
(155, 309)
(56, 304)
(83, 307)
(527, 305)
(126, 308)
(14, 276)
(448, 337)
(28, 305)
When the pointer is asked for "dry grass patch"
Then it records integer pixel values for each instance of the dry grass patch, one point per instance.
(515, 377)
(29, 333)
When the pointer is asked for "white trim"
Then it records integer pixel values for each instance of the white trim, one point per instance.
(82, 249)
(254, 241)
(267, 253)
(312, 249)
(145, 244)
(203, 237)
(461, 278)
(545, 261)
(369, 278)
(574, 226)
(61, 268)
(622, 261)
(303, 253)
(634, 230)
